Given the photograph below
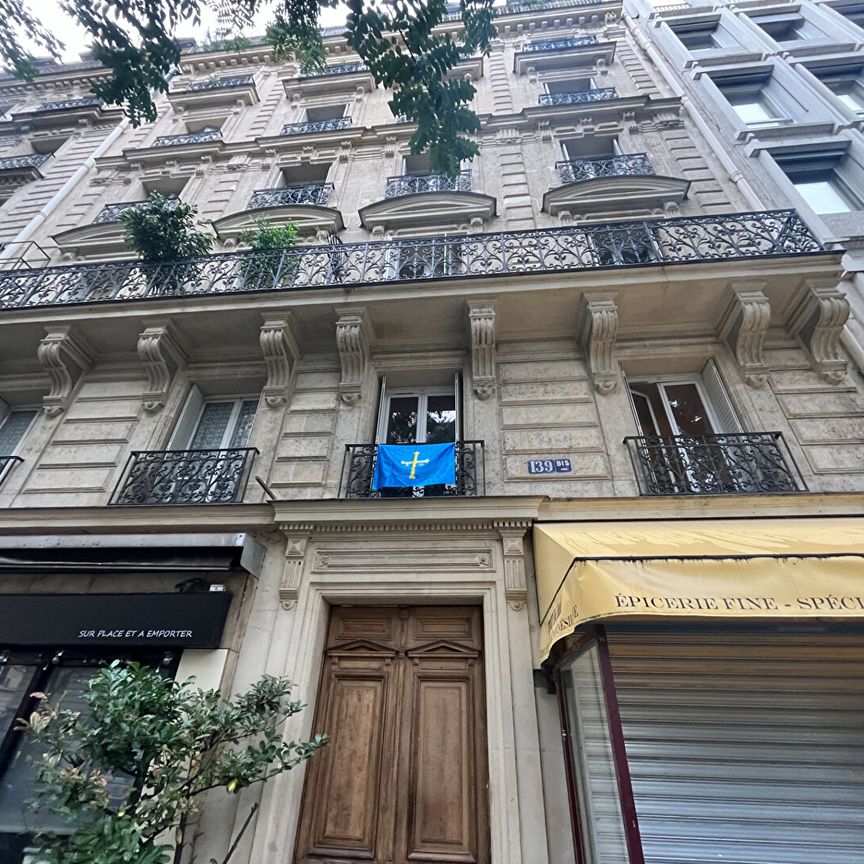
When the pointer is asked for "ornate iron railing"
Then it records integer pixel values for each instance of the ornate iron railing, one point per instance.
(338, 69)
(308, 193)
(66, 104)
(218, 83)
(10, 163)
(768, 234)
(539, 5)
(723, 464)
(595, 94)
(185, 476)
(111, 212)
(188, 138)
(562, 44)
(359, 465)
(6, 463)
(412, 184)
(329, 125)
(626, 165)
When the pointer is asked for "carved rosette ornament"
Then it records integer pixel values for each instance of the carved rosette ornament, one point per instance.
(64, 357)
(160, 352)
(352, 341)
(819, 321)
(481, 320)
(743, 328)
(280, 349)
(599, 332)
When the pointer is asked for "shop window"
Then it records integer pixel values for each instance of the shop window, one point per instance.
(214, 424)
(823, 180)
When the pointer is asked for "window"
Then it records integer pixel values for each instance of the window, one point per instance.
(751, 99)
(845, 82)
(854, 12)
(701, 35)
(13, 428)
(753, 111)
(786, 27)
(825, 196)
(418, 416)
(570, 85)
(325, 112)
(822, 180)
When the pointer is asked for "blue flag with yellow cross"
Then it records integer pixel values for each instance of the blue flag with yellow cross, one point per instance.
(414, 465)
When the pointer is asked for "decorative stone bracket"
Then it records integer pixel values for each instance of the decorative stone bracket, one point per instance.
(160, 351)
(515, 581)
(481, 320)
(599, 332)
(64, 357)
(743, 328)
(292, 571)
(281, 349)
(352, 340)
(818, 321)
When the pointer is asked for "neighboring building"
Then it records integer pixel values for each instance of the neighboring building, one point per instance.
(654, 545)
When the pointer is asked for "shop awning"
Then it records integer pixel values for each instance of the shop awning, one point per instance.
(789, 568)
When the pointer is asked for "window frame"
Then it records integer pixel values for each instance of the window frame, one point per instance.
(422, 394)
(22, 437)
(231, 424)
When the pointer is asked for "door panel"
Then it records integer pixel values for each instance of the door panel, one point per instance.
(404, 777)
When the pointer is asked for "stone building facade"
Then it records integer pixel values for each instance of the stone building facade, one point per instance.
(641, 338)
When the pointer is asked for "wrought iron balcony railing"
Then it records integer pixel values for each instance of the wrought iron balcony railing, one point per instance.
(6, 463)
(185, 476)
(359, 465)
(218, 83)
(338, 69)
(12, 163)
(189, 138)
(329, 125)
(684, 240)
(739, 463)
(111, 212)
(308, 193)
(626, 165)
(562, 44)
(595, 94)
(539, 5)
(412, 184)
(66, 104)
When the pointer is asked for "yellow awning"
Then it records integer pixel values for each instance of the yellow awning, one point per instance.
(697, 568)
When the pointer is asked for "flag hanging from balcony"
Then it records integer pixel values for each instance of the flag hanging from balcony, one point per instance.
(414, 465)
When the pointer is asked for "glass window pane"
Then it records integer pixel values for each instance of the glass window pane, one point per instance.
(212, 425)
(601, 825)
(687, 409)
(245, 420)
(14, 682)
(753, 112)
(823, 196)
(402, 420)
(12, 430)
(440, 419)
(850, 101)
(644, 414)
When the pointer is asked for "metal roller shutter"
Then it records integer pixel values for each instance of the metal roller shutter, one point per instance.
(744, 747)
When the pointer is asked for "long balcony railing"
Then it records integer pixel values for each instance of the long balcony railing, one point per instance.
(684, 240)
(330, 125)
(412, 184)
(337, 69)
(14, 163)
(6, 463)
(577, 97)
(185, 477)
(740, 463)
(626, 165)
(359, 465)
(218, 83)
(307, 193)
(539, 5)
(112, 212)
(66, 104)
(188, 138)
(562, 44)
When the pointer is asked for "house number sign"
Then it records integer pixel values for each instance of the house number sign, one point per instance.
(550, 466)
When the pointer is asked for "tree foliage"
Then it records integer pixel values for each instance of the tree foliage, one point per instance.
(128, 770)
(164, 229)
(396, 39)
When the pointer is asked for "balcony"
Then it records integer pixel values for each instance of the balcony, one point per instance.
(111, 213)
(160, 477)
(67, 105)
(685, 240)
(332, 124)
(352, 76)
(315, 194)
(338, 69)
(359, 463)
(565, 52)
(414, 184)
(203, 137)
(560, 44)
(18, 171)
(626, 165)
(217, 91)
(579, 97)
(6, 464)
(742, 463)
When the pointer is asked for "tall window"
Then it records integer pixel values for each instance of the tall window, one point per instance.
(823, 180)
(752, 99)
(418, 416)
(13, 428)
(214, 424)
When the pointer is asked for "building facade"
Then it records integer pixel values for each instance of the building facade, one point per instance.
(640, 329)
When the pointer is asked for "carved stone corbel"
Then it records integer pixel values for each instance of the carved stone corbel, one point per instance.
(481, 320)
(515, 582)
(161, 354)
(599, 332)
(64, 357)
(352, 340)
(296, 542)
(743, 328)
(281, 350)
(818, 321)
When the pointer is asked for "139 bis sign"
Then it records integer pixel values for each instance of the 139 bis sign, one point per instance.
(550, 466)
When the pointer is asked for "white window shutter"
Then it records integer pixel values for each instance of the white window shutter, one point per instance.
(721, 404)
(185, 428)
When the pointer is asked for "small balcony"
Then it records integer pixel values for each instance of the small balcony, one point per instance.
(67, 105)
(6, 465)
(220, 83)
(414, 184)
(216, 91)
(579, 97)
(338, 69)
(332, 124)
(167, 477)
(111, 213)
(315, 194)
(205, 136)
(565, 52)
(561, 44)
(18, 171)
(743, 463)
(359, 465)
(626, 165)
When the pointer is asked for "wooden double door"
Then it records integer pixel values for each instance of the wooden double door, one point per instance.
(404, 777)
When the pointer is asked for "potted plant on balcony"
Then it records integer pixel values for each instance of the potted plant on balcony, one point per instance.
(163, 231)
(267, 265)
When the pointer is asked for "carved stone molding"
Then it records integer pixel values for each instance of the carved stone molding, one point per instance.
(743, 328)
(352, 340)
(515, 582)
(161, 354)
(599, 332)
(281, 350)
(481, 319)
(64, 357)
(819, 320)
(292, 569)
